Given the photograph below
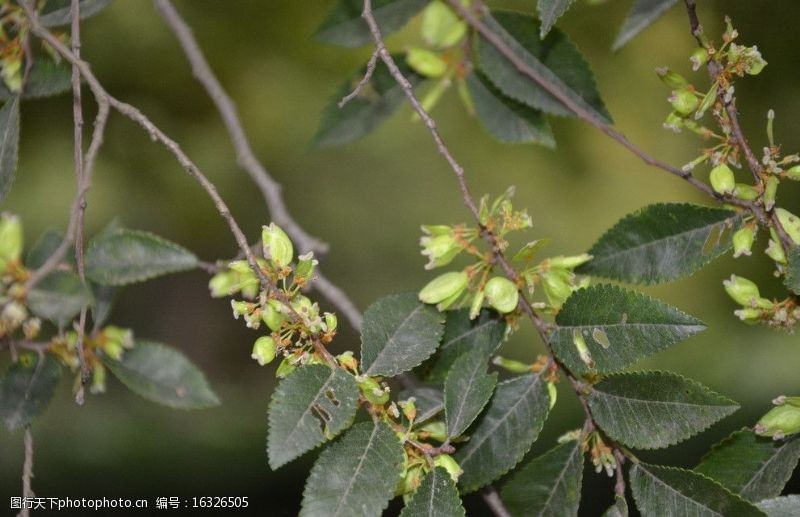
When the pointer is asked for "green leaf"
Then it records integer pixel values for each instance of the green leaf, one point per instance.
(57, 12)
(9, 144)
(163, 375)
(792, 278)
(376, 102)
(618, 509)
(666, 491)
(555, 59)
(437, 496)
(44, 248)
(59, 297)
(550, 11)
(26, 389)
(506, 119)
(398, 333)
(786, 506)
(355, 476)
(103, 301)
(429, 401)
(126, 256)
(313, 404)
(466, 391)
(344, 25)
(547, 485)
(651, 410)
(505, 432)
(662, 242)
(462, 335)
(752, 466)
(642, 14)
(619, 327)
(47, 78)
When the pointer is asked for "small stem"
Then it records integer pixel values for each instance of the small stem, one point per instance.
(27, 473)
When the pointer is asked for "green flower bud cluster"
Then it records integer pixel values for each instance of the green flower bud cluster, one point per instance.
(745, 60)
(557, 279)
(14, 314)
(781, 421)
(441, 243)
(113, 341)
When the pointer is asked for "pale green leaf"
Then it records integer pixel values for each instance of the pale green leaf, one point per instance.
(555, 59)
(662, 242)
(467, 389)
(57, 12)
(550, 11)
(505, 432)
(126, 256)
(398, 333)
(506, 119)
(437, 496)
(642, 14)
(670, 492)
(792, 278)
(345, 26)
(59, 297)
(651, 410)
(163, 375)
(785, 506)
(313, 404)
(752, 466)
(547, 485)
(462, 335)
(355, 476)
(26, 389)
(9, 144)
(619, 327)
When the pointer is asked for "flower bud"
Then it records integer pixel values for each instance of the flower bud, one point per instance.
(745, 192)
(441, 27)
(113, 350)
(699, 58)
(672, 79)
(409, 408)
(435, 429)
(123, 336)
(477, 305)
(426, 62)
(305, 266)
(780, 421)
(790, 223)
(744, 292)
(450, 465)
(556, 286)
(240, 308)
(722, 179)
(443, 287)
(347, 360)
(569, 262)
(440, 245)
(674, 122)
(10, 239)
(774, 249)
(264, 350)
(743, 241)
(98, 379)
(502, 294)
(793, 173)
(770, 191)
(272, 317)
(553, 393)
(754, 63)
(13, 315)
(511, 365)
(277, 245)
(331, 321)
(222, 284)
(684, 101)
(372, 391)
(749, 315)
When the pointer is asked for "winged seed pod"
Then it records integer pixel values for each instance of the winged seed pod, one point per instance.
(698, 58)
(722, 179)
(745, 293)
(502, 294)
(743, 241)
(264, 350)
(10, 240)
(443, 287)
(277, 245)
(781, 421)
(790, 223)
(684, 101)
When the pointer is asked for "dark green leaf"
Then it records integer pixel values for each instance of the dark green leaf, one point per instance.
(466, 391)
(555, 59)
(550, 11)
(506, 119)
(505, 432)
(44, 248)
(662, 242)
(786, 506)
(618, 509)
(26, 389)
(667, 492)
(377, 101)
(651, 410)
(752, 466)
(619, 327)
(429, 401)
(437, 496)
(462, 335)
(104, 297)
(163, 375)
(399, 332)
(127, 256)
(57, 12)
(59, 297)
(547, 485)
(344, 25)
(642, 14)
(311, 405)
(792, 279)
(47, 78)
(355, 476)
(9, 144)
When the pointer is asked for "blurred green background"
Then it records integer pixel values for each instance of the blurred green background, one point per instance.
(368, 201)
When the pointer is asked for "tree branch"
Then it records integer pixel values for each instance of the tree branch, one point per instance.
(27, 473)
(247, 160)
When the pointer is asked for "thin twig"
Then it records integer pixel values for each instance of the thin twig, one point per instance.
(493, 501)
(270, 189)
(27, 474)
(373, 61)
